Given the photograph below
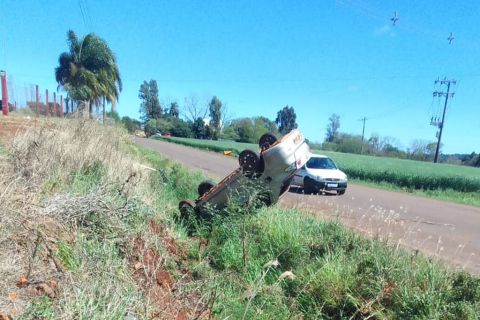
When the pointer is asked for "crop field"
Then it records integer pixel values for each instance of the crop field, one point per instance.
(408, 174)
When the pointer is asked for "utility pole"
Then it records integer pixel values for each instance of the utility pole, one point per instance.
(363, 132)
(437, 123)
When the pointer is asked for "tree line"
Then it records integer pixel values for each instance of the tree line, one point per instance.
(203, 120)
(376, 145)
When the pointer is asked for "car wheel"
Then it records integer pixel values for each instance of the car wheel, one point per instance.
(341, 192)
(249, 161)
(308, 186)
(205, 186)
(186, 208)
(266, 140)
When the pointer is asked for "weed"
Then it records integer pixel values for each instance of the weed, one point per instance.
(39, 308)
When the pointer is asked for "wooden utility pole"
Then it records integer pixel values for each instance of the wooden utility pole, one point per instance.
(55, 109)
(442, 123)
(363, 132)
(61, 106)
(47, 108)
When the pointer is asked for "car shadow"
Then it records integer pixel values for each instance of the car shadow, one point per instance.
(299, 190)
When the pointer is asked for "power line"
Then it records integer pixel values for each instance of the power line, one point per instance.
(88, 14)
(83, 14)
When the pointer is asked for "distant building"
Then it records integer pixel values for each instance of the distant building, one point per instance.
(207, 122)
(11, 107)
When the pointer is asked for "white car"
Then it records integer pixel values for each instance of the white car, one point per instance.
(320, 173)
(275, 163)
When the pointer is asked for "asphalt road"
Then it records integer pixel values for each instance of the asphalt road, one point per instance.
(445, 229)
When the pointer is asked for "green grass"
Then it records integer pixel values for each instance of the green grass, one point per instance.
(332, 273)
(443, 181)
(338, 273)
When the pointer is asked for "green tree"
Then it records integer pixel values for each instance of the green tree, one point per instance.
(262, 125)
(348, 143)
(150, 107)
(228, 132)
(286, 120)
(244, 130)
(129, 124)
(215, 108)
(150, 127)
(269, 125)
(198, 128)
(164, 126)
(332, 128)
(88, 72)
(113, 115)
(208, 132)
(181, 128)
(174, 111)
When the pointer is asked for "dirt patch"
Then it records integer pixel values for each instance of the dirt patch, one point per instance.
(9, 126)
(164, 280)
(149, 270)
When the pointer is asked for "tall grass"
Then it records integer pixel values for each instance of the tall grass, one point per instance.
(70, 201)
(280, 264)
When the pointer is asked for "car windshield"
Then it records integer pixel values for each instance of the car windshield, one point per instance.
(321, 163)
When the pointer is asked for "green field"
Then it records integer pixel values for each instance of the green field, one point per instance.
(444, 181)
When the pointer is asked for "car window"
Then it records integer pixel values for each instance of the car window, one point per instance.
(321, 163)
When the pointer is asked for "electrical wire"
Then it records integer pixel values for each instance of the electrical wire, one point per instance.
(88, 14)
(83, 14)
(403, 23)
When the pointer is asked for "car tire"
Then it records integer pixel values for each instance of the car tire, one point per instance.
(249, 161)
(308, 186)
(205, 186)
(267, 140)
(341, 192)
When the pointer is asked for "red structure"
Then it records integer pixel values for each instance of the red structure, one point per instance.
(37, 111)
(55, 107)
(61, 107)
(46, 104)
(3, 75)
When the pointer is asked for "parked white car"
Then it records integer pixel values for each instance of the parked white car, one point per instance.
(275, 163)
(320, 173)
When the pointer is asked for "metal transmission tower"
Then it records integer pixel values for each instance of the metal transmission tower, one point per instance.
(438, 123)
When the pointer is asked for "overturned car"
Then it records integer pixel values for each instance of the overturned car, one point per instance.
(274, 165)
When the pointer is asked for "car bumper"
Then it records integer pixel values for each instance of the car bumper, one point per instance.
(330, 185)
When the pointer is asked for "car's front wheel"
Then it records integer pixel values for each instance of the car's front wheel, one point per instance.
(341, 192)
(308, 185)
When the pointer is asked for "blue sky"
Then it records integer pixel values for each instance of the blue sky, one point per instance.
(321, 57)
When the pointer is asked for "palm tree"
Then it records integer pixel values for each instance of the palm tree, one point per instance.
(174, 112)
(88, 71)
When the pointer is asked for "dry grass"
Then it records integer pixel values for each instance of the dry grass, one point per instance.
(44, 202)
